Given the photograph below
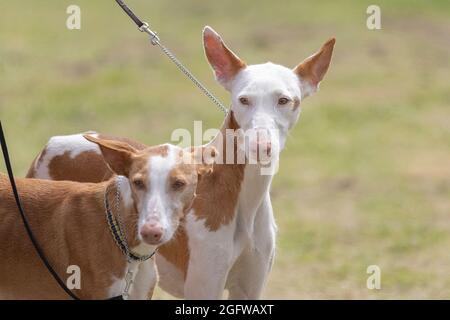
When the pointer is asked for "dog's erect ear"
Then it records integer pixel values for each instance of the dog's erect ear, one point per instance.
(117, 154)
(223, 61)
(312, 70)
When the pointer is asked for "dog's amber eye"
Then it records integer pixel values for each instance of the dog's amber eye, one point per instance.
(139, 183)
(283, 101)
(244, 101)
(178, 184)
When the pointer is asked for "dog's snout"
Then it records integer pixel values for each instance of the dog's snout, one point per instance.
(152, 232)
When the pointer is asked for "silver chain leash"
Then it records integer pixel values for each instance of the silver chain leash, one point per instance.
(129, 277)
(154, 39)
(119, 220)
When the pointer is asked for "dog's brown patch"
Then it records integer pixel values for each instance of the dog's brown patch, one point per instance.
(176, 251)
(87, 166)
(218, 192)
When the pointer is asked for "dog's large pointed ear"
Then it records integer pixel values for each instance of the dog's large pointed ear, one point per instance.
(224, 62)
(117, 154)
(312, 70)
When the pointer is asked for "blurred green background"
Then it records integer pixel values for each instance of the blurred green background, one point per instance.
(365, 177)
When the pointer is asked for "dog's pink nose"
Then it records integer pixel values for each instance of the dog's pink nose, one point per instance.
(151, 232)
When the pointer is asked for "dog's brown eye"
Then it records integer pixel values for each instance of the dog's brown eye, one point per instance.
(178, 184)
(283, 101)
(244, 101)
(139, 184)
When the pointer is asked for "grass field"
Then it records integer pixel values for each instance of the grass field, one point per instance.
(365, 177)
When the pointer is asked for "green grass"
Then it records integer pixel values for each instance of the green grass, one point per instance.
(365, 177)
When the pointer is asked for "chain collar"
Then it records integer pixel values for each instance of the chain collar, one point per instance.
(118, 231)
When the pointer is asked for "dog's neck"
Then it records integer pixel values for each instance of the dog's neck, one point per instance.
(226, 136)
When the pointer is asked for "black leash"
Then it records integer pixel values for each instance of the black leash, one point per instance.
(36, 245)
(130, 13)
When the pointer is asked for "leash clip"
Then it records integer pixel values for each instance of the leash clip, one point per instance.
(128, 282)
(154, 39)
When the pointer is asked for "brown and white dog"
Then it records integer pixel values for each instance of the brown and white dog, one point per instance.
(228, 239)
(155, 187)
